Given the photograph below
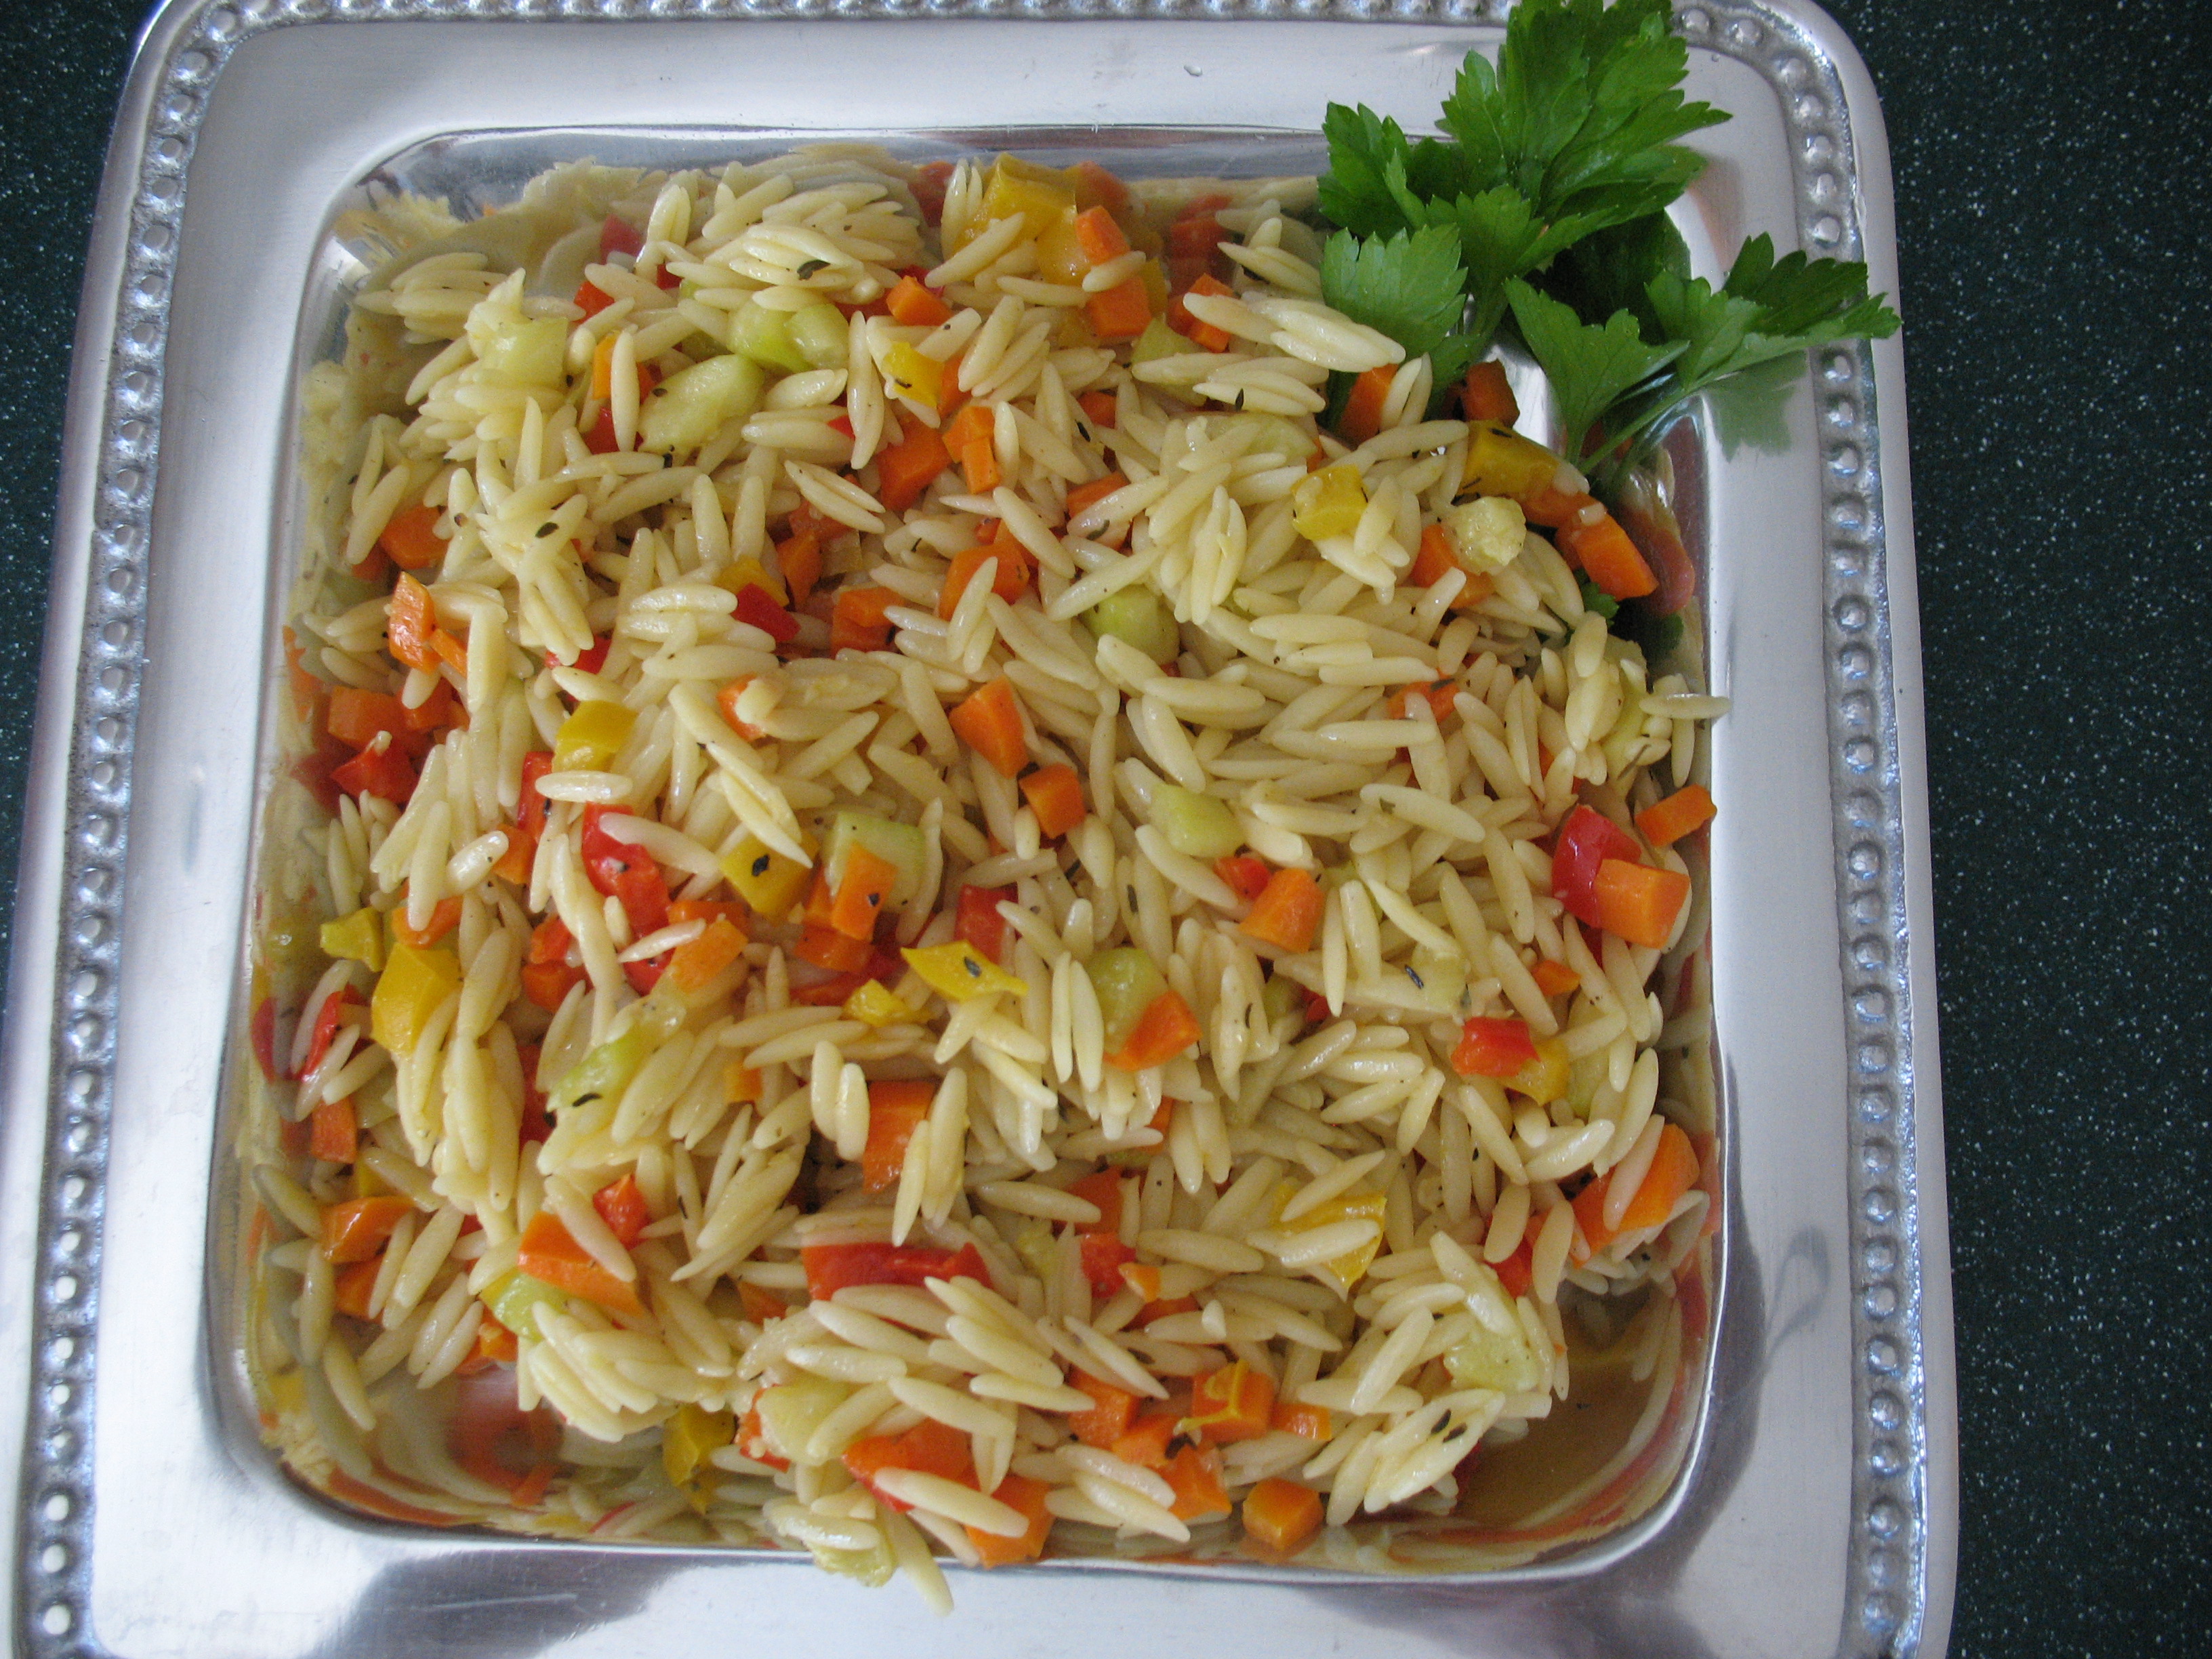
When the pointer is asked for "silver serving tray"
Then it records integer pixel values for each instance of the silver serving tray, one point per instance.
(1818, 1512)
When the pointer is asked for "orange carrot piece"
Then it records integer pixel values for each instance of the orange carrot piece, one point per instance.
(1106, 1421)
(1436, 559)
(445, 916)
(1555, 978)
(1122, 313)
(356, 1230)
(1231, 1403)
(351, 1290)
(1195, 1474)
(979, 467)
(1638, 903)
(1307, 1422)
(1145, 1442)
(1555, 508)
(1279, 1515)
(859, 618)
(1055, 796)
(1203, 335)
(759, 1305)
(1099, 408)
(621, 1204)
(742, 1083)
(1095, 187)
(799, 560)
(1010, 582)
(990, 722)
(1362, 408)
(1664, 823)
(915, 305)
(827, 948)
(1438, 694)
(333, 1132)
(1086, 495)
(708, 910)
(1288, 913)
(1016, 1492)
(1142, 1278)
(858, 903)
(928, 1448)
(550, 1254)
(411, 538)
(1099, 237)
(1164, 1029)
(905, 470)
(973, 422)
(1673, 1171)
(896, 1109)
(412, 625)
(1488, 395)
(1607, 556)
(694, 965)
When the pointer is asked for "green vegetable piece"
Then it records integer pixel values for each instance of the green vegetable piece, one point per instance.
(606, 1070)
(765, 335)
(1137, 616)
(515, 1298)
(1157, 341)
(818, 334)
(695, 405)
(1197, 826)
(524, 353)
(1126, 982)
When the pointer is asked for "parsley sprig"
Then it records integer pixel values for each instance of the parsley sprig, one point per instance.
(1545, 204)
(1571, 133)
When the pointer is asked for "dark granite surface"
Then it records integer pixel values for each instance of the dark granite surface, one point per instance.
(2051, 167)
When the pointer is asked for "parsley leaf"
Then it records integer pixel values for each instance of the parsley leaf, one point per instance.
(1589, 365)
(1766, 310)
(1408, 285)
(1362, 148)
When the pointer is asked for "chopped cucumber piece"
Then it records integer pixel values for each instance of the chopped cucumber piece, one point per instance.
(791, 1412)
(1440, 977)
(525, 352)
(818, 334)
(515, 1298)
(695, 405)
(1137, 616)
(765, 335)
(901, 846)
(1158, 341)
(1272, 434)
(1127, 982)
(1281, 996)
(1197, 826)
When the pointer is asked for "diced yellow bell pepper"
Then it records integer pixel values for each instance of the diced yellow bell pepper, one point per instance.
(1544, 1078)
(592, 737)
(1059, 256)
(752, 573)
(1351, 1267)
(413, 985)
(765, 878)
(1039, 194)
(1501, 461)
(366, 1183)
(1155, 277)
(872, 1004)
(357, 937)
(959, 971)
(686, 1440)
(913, 375)
(1328, 502)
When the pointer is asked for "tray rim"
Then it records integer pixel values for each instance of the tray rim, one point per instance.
(58, 1041)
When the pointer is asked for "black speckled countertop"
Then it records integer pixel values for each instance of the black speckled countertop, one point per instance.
(2052, 185)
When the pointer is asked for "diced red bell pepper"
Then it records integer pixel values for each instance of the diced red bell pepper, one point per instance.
(980, 923)
(1246, 876)
(1586, 841)
(626, 873)
(1493, 1047)
(326, 1022)
(831, 1268)
(758, 609)
(263, 1031)
(388, 775)
(619, 236)
(1102, 1256)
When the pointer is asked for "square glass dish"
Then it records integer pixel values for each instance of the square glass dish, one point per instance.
(1795, 1491)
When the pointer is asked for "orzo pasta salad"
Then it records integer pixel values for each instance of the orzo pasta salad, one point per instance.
(954, 877)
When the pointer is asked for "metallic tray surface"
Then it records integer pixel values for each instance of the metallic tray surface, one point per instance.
(1818, 1514)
